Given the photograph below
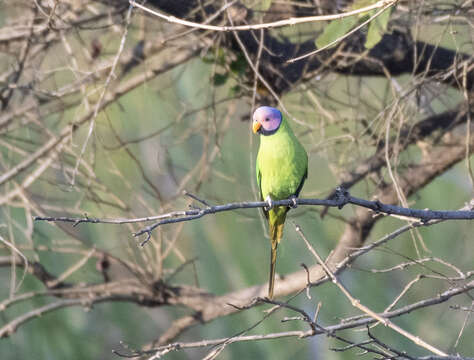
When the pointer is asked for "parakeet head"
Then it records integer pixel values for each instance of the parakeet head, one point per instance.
(266, 120)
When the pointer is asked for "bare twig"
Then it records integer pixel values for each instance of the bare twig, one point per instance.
(98, 106)
(280, 23)
(385, 6)
(442, 297)
(356, 303)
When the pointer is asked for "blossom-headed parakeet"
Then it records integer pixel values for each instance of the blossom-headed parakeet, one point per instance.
(282, 168)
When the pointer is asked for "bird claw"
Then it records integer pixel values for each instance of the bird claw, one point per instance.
(293, 205)
(269, 201)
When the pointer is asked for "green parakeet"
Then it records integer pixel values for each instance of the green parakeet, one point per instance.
(282, 168)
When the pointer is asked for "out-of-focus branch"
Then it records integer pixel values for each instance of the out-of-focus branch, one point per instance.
(397, 53)
(207, 306)
(409, 135)
(42, 91)
(86, 302)
(281, 23)
(109, 98)
(317, 330)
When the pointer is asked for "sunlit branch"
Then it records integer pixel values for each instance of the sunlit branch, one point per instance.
(275, 24)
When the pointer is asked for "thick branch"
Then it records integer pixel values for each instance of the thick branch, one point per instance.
(396, 54)
(317, 330)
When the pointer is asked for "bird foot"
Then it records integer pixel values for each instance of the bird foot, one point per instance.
(293, 205)
(269, 201)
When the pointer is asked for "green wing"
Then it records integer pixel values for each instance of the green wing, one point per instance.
(281, 169)
(303, 179)
(259, 180)
(259, 183)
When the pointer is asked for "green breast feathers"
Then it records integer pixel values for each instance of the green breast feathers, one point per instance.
(282, 164)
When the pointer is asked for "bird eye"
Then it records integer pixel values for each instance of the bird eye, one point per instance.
(267, 119)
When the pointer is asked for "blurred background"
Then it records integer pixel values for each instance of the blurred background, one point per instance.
(111, 112)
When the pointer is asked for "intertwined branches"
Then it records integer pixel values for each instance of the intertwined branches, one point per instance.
(341, 198)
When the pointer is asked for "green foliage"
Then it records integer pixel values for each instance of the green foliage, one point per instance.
(237, 67)
(235, 90)
(377, 28)
(340, 27)
(262, 5)
(265, 5)
(214, 56)
(219, 79)
(335, 30)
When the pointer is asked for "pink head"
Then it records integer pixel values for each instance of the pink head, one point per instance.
(266, 120)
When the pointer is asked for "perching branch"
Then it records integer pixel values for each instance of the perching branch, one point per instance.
(339, 200)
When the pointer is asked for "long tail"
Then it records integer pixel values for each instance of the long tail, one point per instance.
(276, 232)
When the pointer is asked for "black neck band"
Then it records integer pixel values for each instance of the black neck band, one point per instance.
(268, 132)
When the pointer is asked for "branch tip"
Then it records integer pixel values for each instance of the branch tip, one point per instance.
(148, 237)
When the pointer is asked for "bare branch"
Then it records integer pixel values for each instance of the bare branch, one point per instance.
(341, 198)
(356, 303)
(281, 23)
(440, 298)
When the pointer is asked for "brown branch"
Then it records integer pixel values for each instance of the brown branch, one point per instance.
(409, 135)
(394, 54)
(316, 329)
(86, 302)
(110, 98)
(208, 307)
(356, 302)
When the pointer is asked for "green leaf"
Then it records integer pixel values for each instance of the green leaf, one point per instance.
(208, 58)
(239, 66)
(335, 30)
(262, 5)
(265, 5)
(359, 4)
(214, 56)
(235, 90)
(377, 28)
(220, 79)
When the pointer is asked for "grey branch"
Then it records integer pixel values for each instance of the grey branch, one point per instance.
(317, 330)
(340, 199)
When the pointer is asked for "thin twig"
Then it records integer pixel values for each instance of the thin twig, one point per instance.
(356, 303)
(98, 106)
(385, 6)
(442, 297)
(280, 23)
